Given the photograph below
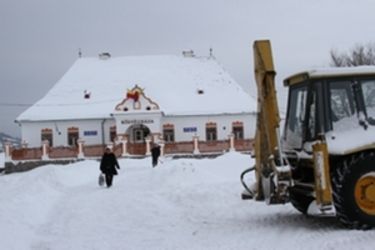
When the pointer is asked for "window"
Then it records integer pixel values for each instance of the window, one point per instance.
(342, 105)
(312, 122)
(73, 135)
(200, 91)
(138, 135)
(112, 133)
(295, 117)
(168, 133)
(46, 135)
(342, 102)
(237, 130)
(368, 91)
(211, 132)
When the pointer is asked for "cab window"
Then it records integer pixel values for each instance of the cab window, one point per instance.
(342, 105)
(368, 92)
(295, 117)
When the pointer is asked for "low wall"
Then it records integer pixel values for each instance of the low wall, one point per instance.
(28, 158)
(214, 146)
(62, 152)
(178, 147)
(26, 154)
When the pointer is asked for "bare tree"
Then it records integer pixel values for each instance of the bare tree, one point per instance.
(358, 55)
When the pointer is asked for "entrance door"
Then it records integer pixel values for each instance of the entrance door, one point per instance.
(139, 135)
(137, 139)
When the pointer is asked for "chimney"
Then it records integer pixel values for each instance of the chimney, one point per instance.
(188, 53)
(104, 56)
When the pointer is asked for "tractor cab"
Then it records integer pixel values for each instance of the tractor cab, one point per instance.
(329, 102)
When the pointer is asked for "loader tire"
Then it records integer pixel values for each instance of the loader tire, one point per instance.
(353, 183)
(300, 201)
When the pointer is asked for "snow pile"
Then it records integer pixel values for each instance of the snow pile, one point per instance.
(349, 135)
(181, 204)
(345, 142)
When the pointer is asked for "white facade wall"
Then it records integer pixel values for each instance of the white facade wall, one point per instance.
(31, 131)
(91, 130)
(223, 125)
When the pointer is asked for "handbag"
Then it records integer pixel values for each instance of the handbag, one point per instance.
(101, 180)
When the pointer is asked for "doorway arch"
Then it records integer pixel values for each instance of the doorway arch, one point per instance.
(137, 135)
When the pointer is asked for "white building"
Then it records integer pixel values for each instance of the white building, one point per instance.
(172, 99)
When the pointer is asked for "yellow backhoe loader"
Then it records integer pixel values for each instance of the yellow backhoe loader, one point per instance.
(326, 153)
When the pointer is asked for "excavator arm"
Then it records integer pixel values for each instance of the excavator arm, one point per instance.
(273, 174)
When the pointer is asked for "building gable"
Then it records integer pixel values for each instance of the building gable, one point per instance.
(136, 100)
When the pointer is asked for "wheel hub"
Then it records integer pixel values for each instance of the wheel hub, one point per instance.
(365, 193)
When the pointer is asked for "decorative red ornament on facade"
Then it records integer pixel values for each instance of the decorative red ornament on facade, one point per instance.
(133, 95)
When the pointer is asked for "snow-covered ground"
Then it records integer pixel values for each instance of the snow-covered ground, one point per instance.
(181, 204)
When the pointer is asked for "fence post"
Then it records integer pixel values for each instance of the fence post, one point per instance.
(162, 144)
(231, 143)
(45, 144)
(196, 146)
(7, 156)
(80, 149)
(124, 143)
(148, 149)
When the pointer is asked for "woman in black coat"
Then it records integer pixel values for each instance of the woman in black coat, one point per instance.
(108, 166)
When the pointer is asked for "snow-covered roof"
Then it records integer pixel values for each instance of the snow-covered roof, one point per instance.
(331, 72)
(360, 70)
(173, 82)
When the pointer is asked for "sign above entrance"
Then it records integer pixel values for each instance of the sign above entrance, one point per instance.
(136, 121)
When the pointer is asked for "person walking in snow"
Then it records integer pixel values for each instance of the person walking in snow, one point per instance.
(108, 166)
(155, 153)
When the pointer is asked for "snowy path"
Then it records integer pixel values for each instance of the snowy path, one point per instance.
(182, 204)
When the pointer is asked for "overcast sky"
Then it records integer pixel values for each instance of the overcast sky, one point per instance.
(40, 39)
